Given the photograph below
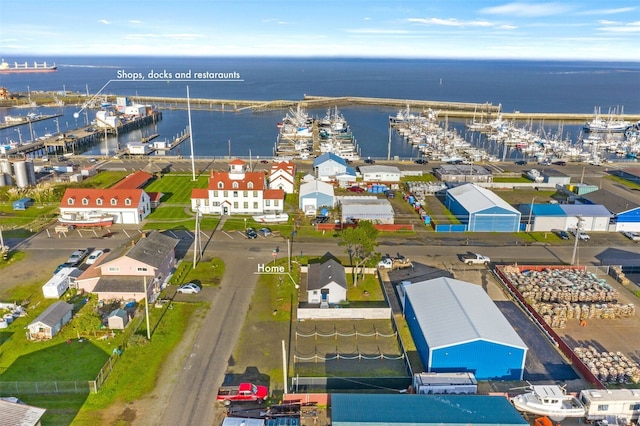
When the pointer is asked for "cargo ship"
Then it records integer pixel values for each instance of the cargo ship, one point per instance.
(18, 68)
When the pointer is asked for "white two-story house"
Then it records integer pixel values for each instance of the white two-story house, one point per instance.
(237, 191)
(282, 176)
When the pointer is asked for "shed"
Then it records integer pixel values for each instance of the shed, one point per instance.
(50, 322)
(457, 328)
(328, 165)
(373, 209)
(625, 213)
(326, 283)
(417, 410)
(22, 203)
(118, 319)
(314, 195)
(482, 210)
(19, 414)
(555, 177)
(463, 173)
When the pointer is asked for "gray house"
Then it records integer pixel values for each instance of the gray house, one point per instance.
(50, 322)
(326, 283)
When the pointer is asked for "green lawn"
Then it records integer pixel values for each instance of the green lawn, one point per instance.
(177, 188)
(206, 272)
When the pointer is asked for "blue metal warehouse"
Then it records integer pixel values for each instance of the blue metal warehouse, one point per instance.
(422, 410)
(625, 213)
(481, 209)
(457, 327)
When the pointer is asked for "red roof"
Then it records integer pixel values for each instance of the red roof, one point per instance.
(133, 181)
(200, 193)
(287, 166)
(255, 178)
(273, 194)
(155, 196)
(73, 198)
(237, 161)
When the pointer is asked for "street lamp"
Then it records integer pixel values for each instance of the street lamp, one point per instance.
(530, 212)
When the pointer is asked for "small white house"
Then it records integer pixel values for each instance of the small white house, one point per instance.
(327, 166)
(377, 173)
(326, 283)
(50, 322)
(282, 176)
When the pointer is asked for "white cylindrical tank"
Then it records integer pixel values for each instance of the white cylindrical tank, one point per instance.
(20, 172)
(5, 167)
(31, 172)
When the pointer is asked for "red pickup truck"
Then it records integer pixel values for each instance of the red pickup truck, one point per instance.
(242, 392)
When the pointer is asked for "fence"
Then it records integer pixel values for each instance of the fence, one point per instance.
(337, 384)
(54, 387)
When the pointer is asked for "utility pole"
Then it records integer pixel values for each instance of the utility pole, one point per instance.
(146, 308)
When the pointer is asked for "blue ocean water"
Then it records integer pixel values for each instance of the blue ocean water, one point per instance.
(526, 86)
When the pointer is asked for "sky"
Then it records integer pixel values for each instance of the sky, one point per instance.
(484, 29)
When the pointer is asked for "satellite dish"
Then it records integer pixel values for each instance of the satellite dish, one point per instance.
(76, 115)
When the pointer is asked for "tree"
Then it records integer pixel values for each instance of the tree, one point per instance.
(360, 243)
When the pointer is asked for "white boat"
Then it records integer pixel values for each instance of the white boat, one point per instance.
(272, 218)
(535, 176)
(549, 400)
(86, 219)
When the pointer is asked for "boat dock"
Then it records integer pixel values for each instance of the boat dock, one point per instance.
(81, 136)
(23, 120)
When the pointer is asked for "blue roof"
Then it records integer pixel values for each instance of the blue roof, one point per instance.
(414, 410)
(329, 156)
(543, 209)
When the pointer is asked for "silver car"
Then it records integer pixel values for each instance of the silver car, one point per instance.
(634, 236)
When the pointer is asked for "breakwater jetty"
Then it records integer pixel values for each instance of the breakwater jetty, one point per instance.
(454, 110)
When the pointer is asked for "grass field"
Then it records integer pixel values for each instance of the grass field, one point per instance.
(177, 188)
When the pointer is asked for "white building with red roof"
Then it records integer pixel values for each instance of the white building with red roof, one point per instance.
(282, 176)
(126, 205)
(237, 191)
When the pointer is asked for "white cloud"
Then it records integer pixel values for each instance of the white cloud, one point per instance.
(374, 31)
(528, 10)
(104, 21)
(632, 27)
(451, 22)
(600, 12)
(135, 21)
(606, 22)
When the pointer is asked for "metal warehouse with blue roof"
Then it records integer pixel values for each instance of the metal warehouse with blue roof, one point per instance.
(482, 210)
(422, 410)
(456, 327)
(625, 213)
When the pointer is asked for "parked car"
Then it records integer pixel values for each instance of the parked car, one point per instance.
(560, 163)
(264, 161)
(544, 163)
(251, 233)
(370, 161)
(561, 234)
(634, 236)
(59, 267)
(355, 189)
(189, 288)
(77, 257)
(421, 161)
(94, 256)
(581, 235)
(265, 232)
(521, 163)
(320, 219)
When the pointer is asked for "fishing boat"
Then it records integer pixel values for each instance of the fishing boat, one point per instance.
(549, 400)
(612, 124)
(271, 218)
(86, 219)
(17, 68)
(535, 175)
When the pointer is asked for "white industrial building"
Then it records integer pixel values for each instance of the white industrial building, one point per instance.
(373, 209)
(377, 173)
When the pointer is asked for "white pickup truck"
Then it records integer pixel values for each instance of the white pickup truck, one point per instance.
(475, 258)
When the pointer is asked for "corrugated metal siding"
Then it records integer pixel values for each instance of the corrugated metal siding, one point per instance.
(487, 360)
(418, 335)
(481, 222)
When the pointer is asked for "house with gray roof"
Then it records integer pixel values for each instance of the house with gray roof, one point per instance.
(17, 413)
(50, 322)
(148, 263)
(326, 283)
(457, 327)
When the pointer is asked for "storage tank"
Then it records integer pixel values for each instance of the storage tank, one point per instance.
(20, 172)
(31, 172)
(5, 167)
